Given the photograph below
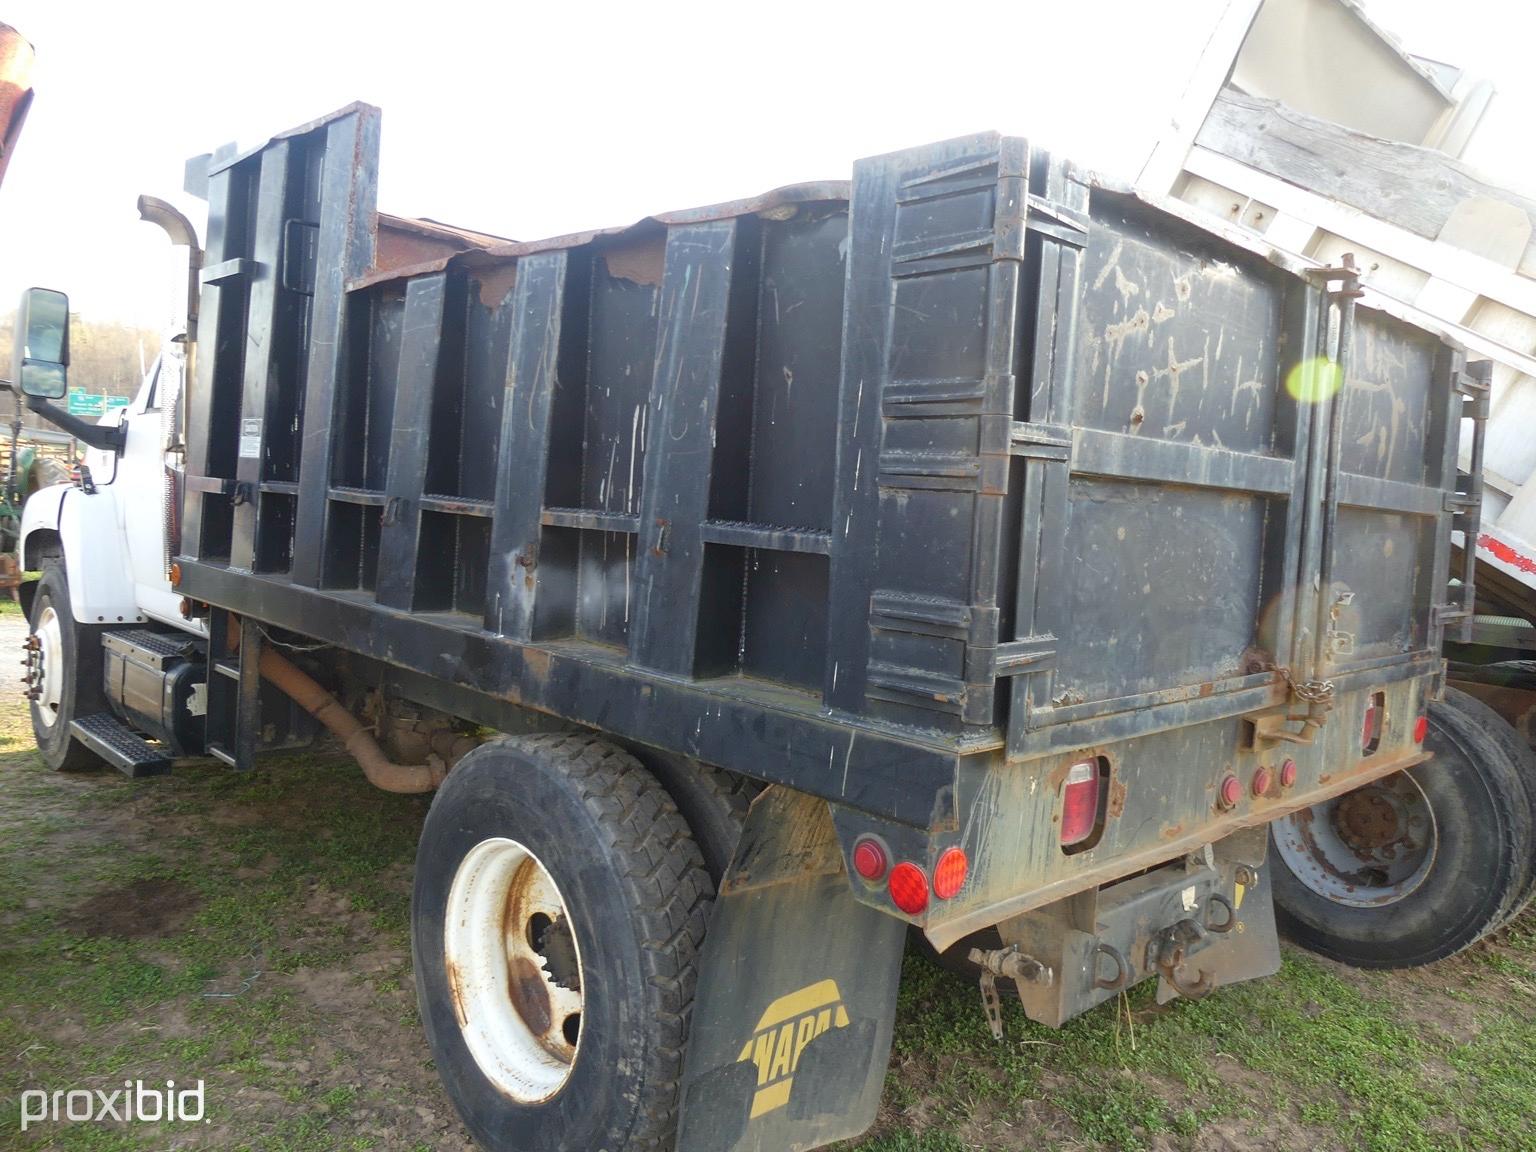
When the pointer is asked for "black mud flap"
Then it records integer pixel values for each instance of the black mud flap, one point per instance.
(797, 993)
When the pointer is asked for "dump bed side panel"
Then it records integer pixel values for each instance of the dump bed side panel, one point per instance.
(932, 345)
(764, 450)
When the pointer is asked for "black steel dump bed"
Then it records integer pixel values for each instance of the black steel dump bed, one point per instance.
(905, 494)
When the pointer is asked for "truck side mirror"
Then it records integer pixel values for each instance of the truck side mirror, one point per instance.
(40, 360)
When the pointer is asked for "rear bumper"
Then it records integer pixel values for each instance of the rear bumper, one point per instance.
(1163, 802)
(1198, 923)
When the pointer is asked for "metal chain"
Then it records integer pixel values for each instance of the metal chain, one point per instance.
(1310, 691)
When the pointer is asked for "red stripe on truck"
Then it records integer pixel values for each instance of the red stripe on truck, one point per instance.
(1508, 555)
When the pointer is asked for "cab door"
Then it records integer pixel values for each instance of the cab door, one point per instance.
(146, 481)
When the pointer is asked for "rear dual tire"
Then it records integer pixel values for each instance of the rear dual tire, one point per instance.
(571, 829)
(1462, 867)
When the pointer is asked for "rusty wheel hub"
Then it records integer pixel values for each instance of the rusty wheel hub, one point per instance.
(1368, 820)
(1366, 849)
(44, 676)
(514, 967)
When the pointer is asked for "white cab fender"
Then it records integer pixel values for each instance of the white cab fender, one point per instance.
(95, 553)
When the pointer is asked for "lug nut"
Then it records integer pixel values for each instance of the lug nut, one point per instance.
(1262, 780)
(1287, 773)
(1230, 793)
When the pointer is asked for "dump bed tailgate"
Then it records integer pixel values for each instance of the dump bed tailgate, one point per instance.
(1186, 553)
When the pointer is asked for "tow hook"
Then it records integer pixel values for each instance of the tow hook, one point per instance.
(33, 663)
(1168, 950)
(1011, 964)
(1228, 914)
(1122, 977)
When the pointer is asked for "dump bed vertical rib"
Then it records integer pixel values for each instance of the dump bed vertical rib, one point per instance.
(695, 306)
(427, 308)
(344, 250)
(538, 308)
(263, 359)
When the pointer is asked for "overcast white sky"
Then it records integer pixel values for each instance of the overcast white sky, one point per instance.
(533, 119)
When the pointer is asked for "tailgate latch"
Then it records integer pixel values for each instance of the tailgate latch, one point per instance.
(1316, 695)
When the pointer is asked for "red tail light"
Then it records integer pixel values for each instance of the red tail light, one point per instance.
(949, 873)
(909, 888)
(869, 859)
(1420, 729)
(1080, 802)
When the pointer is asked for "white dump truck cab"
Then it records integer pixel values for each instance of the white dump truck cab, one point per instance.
(111, 527)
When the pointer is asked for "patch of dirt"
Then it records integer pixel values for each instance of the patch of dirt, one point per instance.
(139, 910)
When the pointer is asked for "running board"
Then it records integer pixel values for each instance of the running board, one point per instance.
(121, 747)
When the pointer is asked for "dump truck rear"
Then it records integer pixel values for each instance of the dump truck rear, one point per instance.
(972, 548)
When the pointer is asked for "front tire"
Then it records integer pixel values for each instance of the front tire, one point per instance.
(64, 674)
(1416, 867)
(560, 860)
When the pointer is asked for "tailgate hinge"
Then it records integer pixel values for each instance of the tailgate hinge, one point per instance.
(1465, 504)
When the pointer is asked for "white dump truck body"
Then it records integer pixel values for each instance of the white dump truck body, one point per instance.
(1309, 125)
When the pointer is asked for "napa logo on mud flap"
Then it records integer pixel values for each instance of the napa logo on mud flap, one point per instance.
(785, 1028)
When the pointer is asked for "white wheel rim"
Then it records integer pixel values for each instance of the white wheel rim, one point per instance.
(50, 654)
(514, 970)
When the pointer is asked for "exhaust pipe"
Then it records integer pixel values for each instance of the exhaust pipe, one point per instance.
(360, 744)
(380, 770)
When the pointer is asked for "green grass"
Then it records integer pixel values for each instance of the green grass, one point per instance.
(287, 875)
(281, 977)
(1383, 1062)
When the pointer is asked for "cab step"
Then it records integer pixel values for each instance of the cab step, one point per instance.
(117, 744)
